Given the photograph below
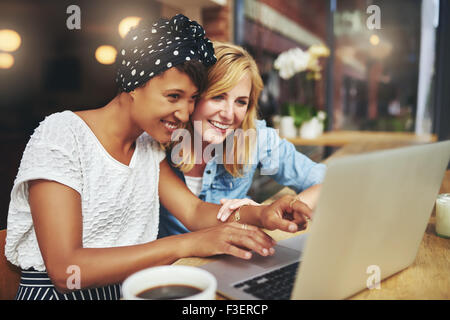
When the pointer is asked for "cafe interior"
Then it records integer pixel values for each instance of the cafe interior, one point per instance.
(341, 77)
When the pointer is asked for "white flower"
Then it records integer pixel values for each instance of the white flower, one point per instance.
(291, 62)
(321, 115)
(296, 60)
(313, 64)
(319, 50)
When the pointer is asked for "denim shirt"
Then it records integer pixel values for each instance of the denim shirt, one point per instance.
(274, 156)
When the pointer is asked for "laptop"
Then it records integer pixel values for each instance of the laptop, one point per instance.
(369, 222)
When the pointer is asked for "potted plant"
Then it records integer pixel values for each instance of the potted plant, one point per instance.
(313, 127)
(300, 119)
(308, 123)
(287, 121)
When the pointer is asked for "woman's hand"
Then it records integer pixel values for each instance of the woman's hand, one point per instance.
(230, 238)
(287, 214)
(230, 205)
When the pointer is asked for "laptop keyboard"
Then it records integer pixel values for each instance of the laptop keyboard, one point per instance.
(274, 285)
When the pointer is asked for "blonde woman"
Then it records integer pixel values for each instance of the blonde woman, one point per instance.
(226, 143)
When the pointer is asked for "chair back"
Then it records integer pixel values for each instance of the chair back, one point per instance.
(9, 273)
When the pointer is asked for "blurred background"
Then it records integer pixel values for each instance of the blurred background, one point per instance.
(359, 65)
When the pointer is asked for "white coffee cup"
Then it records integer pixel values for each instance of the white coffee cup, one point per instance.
(171, 275)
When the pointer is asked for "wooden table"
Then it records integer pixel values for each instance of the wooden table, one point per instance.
(427, 278)
(337, 138)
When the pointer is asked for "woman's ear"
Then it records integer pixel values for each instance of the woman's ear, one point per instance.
(126, 97)
(132, 95)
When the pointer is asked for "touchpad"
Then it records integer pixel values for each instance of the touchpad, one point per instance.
(282, 255)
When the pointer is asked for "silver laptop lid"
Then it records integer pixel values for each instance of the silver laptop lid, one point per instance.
(372, 213)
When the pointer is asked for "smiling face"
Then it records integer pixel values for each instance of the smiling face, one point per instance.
(164, 103)
(222, 113)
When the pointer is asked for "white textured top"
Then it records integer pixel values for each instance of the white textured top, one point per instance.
(120, 204)
(194, 184)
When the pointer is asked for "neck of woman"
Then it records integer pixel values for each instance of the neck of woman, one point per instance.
(119, 121)
(199, 168)
(113, 126)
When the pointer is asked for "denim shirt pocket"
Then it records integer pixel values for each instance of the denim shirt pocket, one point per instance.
(227, 186)
(228, 182)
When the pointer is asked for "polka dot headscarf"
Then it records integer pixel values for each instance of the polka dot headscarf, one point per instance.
(150, 50)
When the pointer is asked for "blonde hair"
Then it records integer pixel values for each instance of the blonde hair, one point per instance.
(233, 62)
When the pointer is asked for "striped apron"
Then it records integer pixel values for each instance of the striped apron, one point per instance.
(36, 285)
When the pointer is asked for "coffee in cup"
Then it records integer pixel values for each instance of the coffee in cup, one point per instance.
(170, 282)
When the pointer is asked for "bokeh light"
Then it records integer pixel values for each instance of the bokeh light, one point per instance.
(6, 60)
(126, 24)
(374, 40)
(106, 54)
(9, 40)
